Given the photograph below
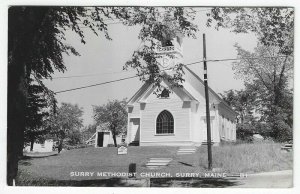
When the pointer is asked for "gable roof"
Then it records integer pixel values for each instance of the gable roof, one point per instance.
(209, 89)
(147, 89)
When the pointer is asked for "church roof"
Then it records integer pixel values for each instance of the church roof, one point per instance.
(190, 90)
(210, 90)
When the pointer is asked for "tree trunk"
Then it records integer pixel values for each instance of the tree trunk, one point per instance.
(22, 27)
(31, 144)
(16, 105)
(115, 140)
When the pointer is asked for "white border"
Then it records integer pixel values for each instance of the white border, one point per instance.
(3, 102)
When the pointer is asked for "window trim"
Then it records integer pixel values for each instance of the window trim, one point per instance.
(164, 134)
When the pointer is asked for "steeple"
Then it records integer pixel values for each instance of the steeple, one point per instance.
(169, 50)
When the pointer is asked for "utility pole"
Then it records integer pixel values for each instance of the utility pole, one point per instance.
(207, 107)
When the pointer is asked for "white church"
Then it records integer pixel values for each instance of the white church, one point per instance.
(177, 118)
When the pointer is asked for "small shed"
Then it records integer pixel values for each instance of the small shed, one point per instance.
(103, 136)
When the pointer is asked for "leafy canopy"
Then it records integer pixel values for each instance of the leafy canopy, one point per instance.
(113, 115)
(273, 26)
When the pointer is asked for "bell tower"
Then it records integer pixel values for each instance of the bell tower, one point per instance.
(169, 50)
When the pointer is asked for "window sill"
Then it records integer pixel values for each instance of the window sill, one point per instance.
(165, 134)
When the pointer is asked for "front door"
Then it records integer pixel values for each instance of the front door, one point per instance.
(100, 139)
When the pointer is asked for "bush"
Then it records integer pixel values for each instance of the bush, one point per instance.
(245, 132)
(70, 147)
(74, 137)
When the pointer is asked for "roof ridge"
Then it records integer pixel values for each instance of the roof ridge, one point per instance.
(209, 88)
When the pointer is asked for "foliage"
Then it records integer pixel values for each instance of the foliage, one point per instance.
(269, 80)
(243, 102)
(114, 115)
(274, 26)
(91, 128)
(36, 114)
(159, 23)
(88, 131)
(74, 137)
(264, 65)
(245, 131)
(69, 117)
(266, 94)
(268, 70)
(49, 23)
(36, 43)
(66, 123)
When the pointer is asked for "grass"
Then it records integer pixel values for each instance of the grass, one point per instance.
(249, 158)
(55, 170)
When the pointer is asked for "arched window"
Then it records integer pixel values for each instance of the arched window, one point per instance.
(164, 123)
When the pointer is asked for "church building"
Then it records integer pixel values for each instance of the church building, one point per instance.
(177, 118)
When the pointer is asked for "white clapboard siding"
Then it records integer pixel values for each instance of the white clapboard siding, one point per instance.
(181, 117)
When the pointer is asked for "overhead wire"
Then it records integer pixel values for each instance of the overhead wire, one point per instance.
(126, 78)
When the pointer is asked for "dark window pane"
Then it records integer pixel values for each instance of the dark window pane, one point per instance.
(165, 123)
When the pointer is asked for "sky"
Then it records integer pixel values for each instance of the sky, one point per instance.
(102, 60)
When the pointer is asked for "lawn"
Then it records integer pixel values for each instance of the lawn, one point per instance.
(249, 158)
(245, 158)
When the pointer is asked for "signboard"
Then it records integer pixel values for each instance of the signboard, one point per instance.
(122, 150)
(168, 49)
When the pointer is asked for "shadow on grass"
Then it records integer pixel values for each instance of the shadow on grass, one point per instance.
(25, 159)
(118, 182)
(29, 156)
(188, 182)
(112, 182)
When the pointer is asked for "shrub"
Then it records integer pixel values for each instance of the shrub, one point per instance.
(245, 132)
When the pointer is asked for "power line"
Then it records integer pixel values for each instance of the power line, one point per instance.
(212, 60)
(95, 84)
(108, 73)
(234, 59)
(89, 75)
(112, 81)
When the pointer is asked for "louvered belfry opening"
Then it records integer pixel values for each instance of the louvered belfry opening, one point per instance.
(164, 94)
(165, 123)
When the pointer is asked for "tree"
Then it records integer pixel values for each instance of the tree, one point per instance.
(36, 114)
(274, 26)
(67, 122)
(266, 76)
(113, 114)
(69, 117)
(36, 43)
(269, 76)
(243, 102)
(88, 131)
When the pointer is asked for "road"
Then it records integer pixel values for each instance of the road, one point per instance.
(278, 179)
